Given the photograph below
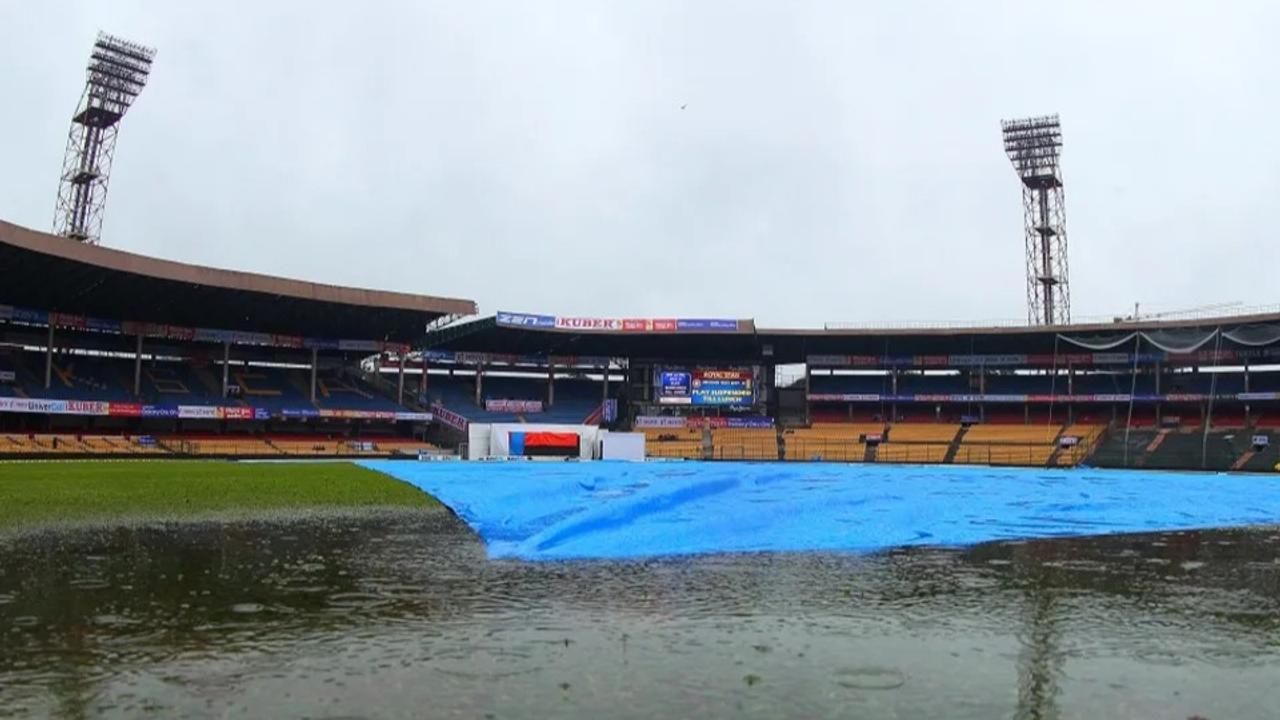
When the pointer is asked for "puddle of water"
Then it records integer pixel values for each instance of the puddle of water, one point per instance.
(401, 616)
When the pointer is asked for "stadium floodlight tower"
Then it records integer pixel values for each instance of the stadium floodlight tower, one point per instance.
(1033, 146)
(117, 72)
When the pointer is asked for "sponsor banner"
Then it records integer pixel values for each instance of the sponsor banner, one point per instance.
(513, 406)
(1248, 396)
(159, 411)
(471, 358)
(87, 407)
(362, 345)
(707, 325)
(676, 421)
(109, 326)
(358, 414)
(52, 407)
(983, 360)
(576, 323)
(176, 332)
(195, 412)
(237, 413)
(1261, 441)
(32, 405)
(211, 335)
(250, 338)
(1047, 398)
(575, 361)
(119, 409)
(828, 360)
(1116, 397)
(748, 422)
(68, 320)
(1004, 398)
(592, 324)
(8, 376)
(320, 344)
(261, 414)
(511, 319)
(659, 421)
(414, 416)
(6, 312)
(666, 325)
(843, 397)
(299, 413)
(1067, 441)
(478, 358)
(927, 397)
(289, 341)
(1111, 358)
(449, 417)
(27, 315)
(751, 421)
(199, 412)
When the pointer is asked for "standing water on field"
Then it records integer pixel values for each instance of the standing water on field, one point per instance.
(402, 615)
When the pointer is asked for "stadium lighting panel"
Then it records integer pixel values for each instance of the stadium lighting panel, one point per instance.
(117, 71)
(1034, 146)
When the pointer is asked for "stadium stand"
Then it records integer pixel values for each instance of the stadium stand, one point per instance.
(943, 433)
(674, 443)
(744, 444)
(842, 442)
(574, 400)
(205, 445)
(134, 363)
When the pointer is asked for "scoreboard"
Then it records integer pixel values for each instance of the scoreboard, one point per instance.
(705, 387)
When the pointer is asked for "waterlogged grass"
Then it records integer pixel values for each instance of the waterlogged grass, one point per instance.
(48, 493)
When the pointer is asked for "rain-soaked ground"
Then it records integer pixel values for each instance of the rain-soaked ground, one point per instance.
(401, 615)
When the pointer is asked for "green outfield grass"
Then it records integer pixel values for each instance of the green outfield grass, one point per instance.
(42, 493)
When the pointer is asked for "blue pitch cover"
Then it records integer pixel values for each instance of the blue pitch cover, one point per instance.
(549, 511)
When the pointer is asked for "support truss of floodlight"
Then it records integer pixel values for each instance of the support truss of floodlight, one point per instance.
(117, 71)
(1034, 146)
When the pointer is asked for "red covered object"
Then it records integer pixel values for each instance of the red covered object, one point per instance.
(551, 439)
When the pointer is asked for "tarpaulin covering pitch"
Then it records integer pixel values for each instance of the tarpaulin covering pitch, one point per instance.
(543, 511)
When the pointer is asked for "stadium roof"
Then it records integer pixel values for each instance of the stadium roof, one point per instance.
(53, 273)
(782, 346)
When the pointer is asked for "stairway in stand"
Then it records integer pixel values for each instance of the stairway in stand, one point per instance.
(955, 445)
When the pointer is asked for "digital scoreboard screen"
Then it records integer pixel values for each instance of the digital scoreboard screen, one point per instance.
(705, 387)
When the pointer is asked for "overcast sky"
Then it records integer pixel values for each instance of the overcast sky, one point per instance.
(830, 162)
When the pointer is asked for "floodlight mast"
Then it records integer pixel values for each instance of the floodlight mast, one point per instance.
(117, 71)
(1033, 146)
